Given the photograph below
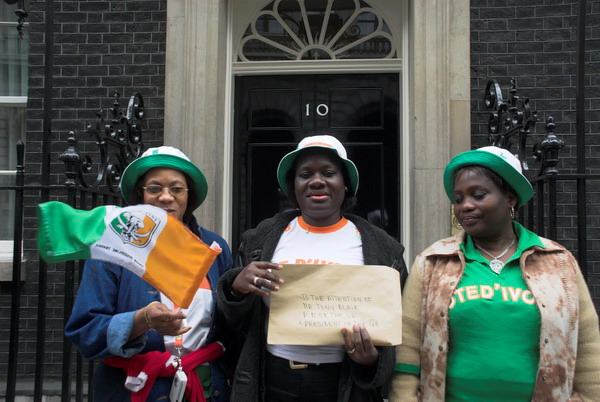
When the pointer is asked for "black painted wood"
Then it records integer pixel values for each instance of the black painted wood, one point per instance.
(272, 114)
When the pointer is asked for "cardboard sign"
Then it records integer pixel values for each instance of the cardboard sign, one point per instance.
(317, 301)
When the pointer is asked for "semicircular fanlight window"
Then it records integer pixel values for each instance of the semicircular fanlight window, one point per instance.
(316, 30)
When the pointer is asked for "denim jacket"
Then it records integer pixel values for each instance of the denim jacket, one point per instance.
(102, 319)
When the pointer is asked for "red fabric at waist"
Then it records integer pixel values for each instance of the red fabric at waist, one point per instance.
(153, 365)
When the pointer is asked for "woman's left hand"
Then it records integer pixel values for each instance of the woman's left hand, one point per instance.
(359, 346)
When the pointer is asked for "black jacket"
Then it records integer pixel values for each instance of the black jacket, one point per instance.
(248, 314)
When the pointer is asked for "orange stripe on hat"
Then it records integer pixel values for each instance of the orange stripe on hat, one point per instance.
(322, 144)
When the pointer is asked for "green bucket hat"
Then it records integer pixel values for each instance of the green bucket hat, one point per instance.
(164, 157)
(318, 141)
(499, 161)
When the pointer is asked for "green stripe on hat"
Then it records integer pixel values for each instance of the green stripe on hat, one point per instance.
(327, 142)
(496, 161)
(163, 157)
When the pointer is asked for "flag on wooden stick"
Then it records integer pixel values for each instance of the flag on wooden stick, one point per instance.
(141, 238)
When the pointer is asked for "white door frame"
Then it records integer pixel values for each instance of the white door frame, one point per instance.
(319, 67)
(435, 103)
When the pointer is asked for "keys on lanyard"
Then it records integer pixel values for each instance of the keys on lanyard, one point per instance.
(180, 379)
(178, 347)
(178, 342)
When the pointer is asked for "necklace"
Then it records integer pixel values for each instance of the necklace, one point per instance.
(496, 265)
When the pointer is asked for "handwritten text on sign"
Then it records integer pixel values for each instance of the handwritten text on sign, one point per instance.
(333, 311)
(317, 301)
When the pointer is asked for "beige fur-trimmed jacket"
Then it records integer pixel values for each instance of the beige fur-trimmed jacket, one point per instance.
(569, 366)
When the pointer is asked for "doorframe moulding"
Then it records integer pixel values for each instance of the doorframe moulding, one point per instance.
(319, 66)
(439, 117)
(434, 63)
(399, 28)
(195, 68)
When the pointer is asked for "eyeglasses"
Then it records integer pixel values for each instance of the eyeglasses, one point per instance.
(155, 190)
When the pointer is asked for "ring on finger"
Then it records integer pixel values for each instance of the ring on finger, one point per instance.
(255, 280)
(351, 351)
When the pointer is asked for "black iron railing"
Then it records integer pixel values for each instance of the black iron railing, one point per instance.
(89, 182)
(510, 125)
(513, 119)
(21, 14)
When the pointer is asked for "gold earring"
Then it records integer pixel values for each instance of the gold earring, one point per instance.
(512, 212)
(455, 223)
(345, 188)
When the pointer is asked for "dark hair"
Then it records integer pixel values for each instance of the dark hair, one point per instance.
(350, 199)
(502, 184)
(137, 197)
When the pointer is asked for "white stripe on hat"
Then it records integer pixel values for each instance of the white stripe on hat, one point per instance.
(505, 155)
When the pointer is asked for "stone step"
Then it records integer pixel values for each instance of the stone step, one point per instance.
(52, 390)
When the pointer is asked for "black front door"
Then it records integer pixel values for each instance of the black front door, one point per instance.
(273, 113)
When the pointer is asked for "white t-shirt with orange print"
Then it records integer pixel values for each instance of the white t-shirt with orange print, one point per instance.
(300, 243)
(199, 317)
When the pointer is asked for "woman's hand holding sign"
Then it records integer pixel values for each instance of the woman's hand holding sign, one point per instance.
(359, 346)
(255, 276)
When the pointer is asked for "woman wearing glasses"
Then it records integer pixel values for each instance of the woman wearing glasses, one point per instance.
(117, 314)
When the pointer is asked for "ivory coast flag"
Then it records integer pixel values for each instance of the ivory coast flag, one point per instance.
(141, 238)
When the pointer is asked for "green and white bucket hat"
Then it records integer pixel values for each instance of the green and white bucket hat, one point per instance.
(162, 157)
(318, 141)
(498, 160)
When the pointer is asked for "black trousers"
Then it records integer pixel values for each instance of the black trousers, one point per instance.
(316, 383)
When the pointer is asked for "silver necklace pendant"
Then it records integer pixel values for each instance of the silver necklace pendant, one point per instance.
(496, 266)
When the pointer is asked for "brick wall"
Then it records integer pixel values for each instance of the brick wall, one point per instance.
(535, 42)
(100, 47)
(107, 46)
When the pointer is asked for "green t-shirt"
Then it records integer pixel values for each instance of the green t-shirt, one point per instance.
(493, 352)
(203, 371)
